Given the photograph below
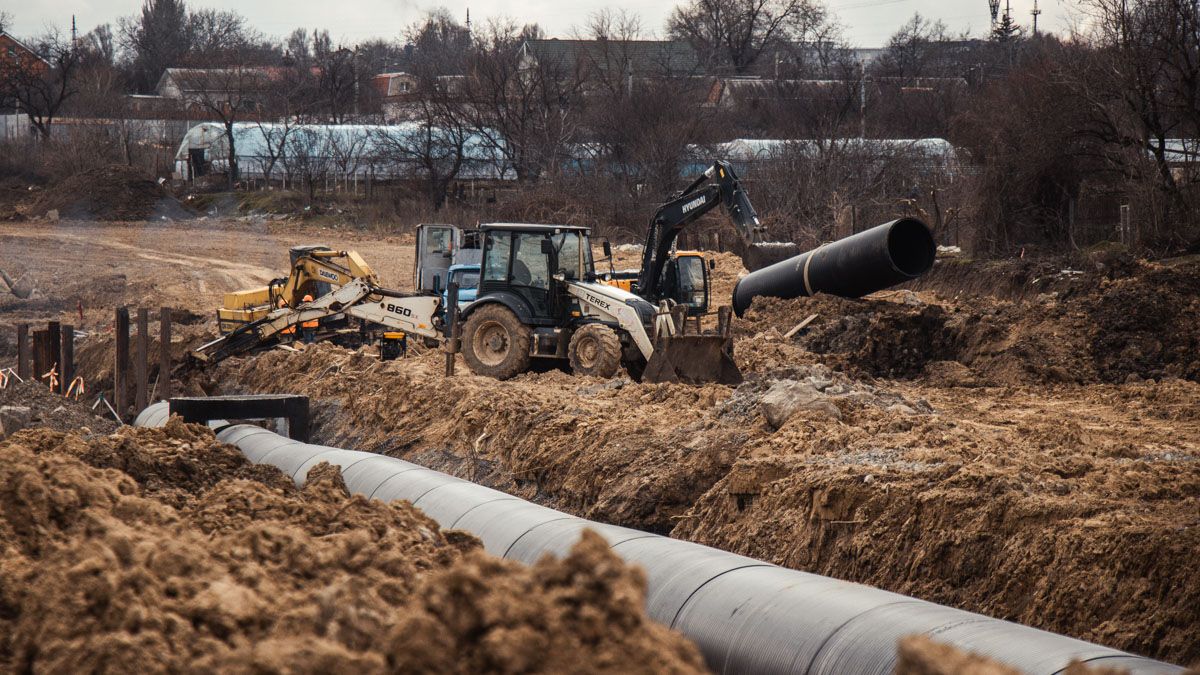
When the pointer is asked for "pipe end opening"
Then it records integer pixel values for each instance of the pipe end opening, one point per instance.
(911, 247)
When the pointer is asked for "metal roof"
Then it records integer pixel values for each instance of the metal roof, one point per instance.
(531, 227)
(632, 57)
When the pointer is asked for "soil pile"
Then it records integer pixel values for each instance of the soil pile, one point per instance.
(52, 411)
(110, 193)
(1144, 325)
(165, 569)
(922, 656)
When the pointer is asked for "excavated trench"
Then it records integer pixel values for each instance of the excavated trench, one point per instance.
(744, 615)
(1036, 458)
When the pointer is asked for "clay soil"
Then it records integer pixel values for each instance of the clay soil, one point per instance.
(165, 551)
(1028, 447)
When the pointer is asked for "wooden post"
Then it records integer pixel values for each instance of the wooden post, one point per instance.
(54, 347)
(40, 355)
(67, 354)
(23, 365)
(164, 353)
(121, 365)
(141, 367)
(452, 345)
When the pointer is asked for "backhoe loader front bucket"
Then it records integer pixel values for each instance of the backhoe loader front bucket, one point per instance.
(693, 359)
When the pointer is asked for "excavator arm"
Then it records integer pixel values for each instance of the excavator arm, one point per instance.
(359, 298)
(717, 186)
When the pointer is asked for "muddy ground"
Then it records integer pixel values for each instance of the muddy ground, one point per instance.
(1026, 446)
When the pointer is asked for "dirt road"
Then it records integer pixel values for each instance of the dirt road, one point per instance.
(183, 265)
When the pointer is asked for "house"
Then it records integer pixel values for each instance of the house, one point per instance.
(15, 54)
(193, 88)
(394, 85)
(626, 60)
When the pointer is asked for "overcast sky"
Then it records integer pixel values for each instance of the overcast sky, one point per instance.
(868, 23)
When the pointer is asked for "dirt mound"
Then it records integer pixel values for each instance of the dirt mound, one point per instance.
(110, 193)
(1024, 524)
(1145, 325)
(922, 656)
(99, 572)
(52, 411)
(589, 603)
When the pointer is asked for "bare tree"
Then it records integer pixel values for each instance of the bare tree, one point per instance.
(229, 95)
(307, 156)
(158, 38)
(40, 88)
(430, 146)
(735, 34)
(1141, 87)
(524, 112)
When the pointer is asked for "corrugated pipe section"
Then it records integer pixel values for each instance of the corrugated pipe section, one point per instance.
(747, 616)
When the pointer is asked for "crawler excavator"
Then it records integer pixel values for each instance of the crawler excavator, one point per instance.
(538, 298)
(681, 277)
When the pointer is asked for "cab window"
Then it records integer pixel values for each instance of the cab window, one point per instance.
(567, 244)
(530, 265)
(438, 239)
(466, 278)
(499, 252)
(691, 280)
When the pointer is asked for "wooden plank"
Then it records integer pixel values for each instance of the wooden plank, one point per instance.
(54, 348)
(24, 367)
(799, 327)
(141, 365)
(41, 355)
(67, 353)
(121, 363)
(164, 353)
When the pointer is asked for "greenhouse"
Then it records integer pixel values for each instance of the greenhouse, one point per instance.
(343, 151)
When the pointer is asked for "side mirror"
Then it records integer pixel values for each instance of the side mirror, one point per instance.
(712, 264)
(437, 284)
(607, 249)
(547, 247)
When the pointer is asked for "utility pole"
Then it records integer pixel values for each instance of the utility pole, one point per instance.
(74, 34)
(1036, 13)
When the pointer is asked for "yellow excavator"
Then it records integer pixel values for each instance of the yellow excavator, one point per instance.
(316, 270)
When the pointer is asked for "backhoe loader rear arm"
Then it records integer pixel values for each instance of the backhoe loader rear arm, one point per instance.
(716, 186)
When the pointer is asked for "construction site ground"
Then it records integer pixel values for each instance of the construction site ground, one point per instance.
(1018, 438)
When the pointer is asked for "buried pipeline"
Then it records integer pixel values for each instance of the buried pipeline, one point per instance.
(862, 263)
(746, 616)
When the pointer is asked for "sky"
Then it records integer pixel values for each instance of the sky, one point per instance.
(867, 23)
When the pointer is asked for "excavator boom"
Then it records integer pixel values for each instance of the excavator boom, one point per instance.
(717, 186)
(410, 313)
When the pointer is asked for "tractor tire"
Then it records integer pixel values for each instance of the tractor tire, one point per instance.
(595, 350)
(495, 343)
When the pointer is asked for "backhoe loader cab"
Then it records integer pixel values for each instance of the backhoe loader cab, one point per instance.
(685, 280)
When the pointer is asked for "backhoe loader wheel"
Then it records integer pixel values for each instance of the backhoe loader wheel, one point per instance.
(595, 350)
(495, 342)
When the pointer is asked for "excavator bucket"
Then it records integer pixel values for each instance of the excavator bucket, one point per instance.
(693, 359)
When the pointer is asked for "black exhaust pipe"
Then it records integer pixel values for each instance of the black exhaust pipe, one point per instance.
(860, 264)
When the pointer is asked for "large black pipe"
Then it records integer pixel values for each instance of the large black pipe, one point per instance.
(862, 263)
